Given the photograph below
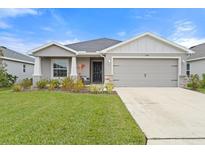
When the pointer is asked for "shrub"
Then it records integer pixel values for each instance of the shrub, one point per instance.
(194, 82)
(17, 88)
(26, 83)
(42, 84)
(202, 82)
(53, 84)
(67, 84)
(6, 79)
(78, 86)
(96, 89)
(109, 87)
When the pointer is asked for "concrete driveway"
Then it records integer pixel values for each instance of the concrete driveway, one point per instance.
(167, 115)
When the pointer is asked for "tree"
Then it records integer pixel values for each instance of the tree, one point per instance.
(6, 79)
(1, 55)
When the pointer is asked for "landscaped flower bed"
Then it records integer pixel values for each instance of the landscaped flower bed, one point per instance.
(196, 84)
(68, 84)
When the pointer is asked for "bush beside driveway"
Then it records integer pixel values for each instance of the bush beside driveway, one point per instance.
(43, 117)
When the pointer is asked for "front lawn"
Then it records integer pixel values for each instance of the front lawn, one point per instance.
(44, 117)
(202, 90)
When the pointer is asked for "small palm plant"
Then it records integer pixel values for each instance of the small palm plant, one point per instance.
(194, 82)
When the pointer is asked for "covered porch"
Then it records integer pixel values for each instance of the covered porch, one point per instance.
(90, 69)
(56, 61)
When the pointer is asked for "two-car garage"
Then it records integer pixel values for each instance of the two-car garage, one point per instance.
(145, 72)
(146, 61)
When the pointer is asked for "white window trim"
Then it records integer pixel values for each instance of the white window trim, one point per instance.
(150, 57)
(52, 61)
(24, 68)
(189, 69)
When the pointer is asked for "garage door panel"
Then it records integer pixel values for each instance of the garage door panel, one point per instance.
(142, 83)
(145, 72)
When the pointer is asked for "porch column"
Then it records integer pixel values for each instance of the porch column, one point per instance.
(37, 70)
(73, 72)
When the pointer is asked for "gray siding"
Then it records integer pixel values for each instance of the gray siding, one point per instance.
(146, 44)
(46, 68)
(86, 62)
(16, 68)
(197, 67)
(54, 51)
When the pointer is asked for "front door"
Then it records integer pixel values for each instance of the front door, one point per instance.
(97, 72)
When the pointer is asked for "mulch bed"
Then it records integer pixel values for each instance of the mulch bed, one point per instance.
(84, 91)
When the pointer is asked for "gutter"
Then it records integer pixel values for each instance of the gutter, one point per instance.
(100, 53)
(195, 59)
(17, 60)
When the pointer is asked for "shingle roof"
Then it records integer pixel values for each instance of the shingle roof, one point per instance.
(15, 55)
(199, 51)
(93, 45)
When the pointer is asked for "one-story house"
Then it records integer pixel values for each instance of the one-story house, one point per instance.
(196, 62)
(16, 64)
(146, 60)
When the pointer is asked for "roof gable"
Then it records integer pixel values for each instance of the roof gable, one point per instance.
(199, 52)
(54, 51)
(41, 48)
(11, 54)
(155, 37)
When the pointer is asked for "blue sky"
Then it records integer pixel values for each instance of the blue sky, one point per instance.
(24, 29)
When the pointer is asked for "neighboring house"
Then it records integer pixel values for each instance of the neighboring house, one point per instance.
(16, 63)
(196, 62)
(143, 61)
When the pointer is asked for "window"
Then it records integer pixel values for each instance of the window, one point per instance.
(60, 68)
(24, 68)
(188, 70)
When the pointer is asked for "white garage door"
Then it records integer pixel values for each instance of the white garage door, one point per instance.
(145, 72)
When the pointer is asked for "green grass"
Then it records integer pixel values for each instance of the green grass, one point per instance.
(3, 89)
(44, 117)
(202, 90)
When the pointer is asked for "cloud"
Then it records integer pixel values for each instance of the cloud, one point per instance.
(11, 41)
(4, 25)
(122, 33)
(59, 19)
(49, 29)
(184, 27)
(69, 41)
(11, 13)
(189, 42)
(5, 13)
(185, 33)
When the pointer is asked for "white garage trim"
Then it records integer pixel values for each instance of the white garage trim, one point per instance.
(148, 57)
